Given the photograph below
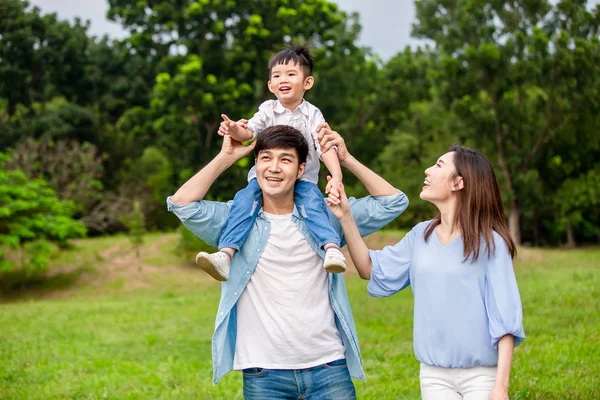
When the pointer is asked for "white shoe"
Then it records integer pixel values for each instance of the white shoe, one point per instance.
(216, 264)
(334, 261)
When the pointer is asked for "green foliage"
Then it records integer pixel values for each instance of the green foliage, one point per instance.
(518, 81)
(426, 134)
(31, 214)
(190, 243)
(136, 226)
(72, 169)
(523, 77)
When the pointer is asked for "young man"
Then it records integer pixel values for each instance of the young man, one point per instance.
(282, 319)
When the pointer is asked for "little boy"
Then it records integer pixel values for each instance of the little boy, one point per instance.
(290, 76)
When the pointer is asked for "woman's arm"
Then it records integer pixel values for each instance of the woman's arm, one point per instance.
(506, 346)
(375, 184)
(356, 246)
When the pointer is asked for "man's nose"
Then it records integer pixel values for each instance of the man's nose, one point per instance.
(274, 166)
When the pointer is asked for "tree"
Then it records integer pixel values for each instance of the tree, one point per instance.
(72, 170)
(136, 227)
(521, 74)
(30, 212)
(213, 58)
(40, 56)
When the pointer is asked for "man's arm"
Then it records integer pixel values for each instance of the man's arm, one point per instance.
(196, 187)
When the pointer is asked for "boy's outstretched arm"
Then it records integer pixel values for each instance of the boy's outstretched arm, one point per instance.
(196, 187)
(237, 130)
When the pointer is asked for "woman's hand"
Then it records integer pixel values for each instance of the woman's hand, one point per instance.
(498, 393)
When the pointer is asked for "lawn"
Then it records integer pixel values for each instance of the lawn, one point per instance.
(126, 328)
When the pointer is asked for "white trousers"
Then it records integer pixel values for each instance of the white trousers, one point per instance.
(456, 383)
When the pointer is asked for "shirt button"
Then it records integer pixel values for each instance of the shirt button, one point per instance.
(235, 294)
(221, 312)
(247, 272)
(266, 228)
(258, 250)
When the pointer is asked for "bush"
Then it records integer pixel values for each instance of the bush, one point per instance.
(32, 215)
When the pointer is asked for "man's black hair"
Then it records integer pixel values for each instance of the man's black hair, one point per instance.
(282, 137)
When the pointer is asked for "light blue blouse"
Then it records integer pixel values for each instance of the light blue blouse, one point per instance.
(461, 309)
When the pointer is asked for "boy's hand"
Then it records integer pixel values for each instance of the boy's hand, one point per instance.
(228, 127)
(339, 206)
(332, 188)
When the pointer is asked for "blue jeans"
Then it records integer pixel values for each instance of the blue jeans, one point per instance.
(329, 381)
(248, 201)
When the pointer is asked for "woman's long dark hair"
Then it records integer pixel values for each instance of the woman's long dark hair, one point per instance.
(479, 210)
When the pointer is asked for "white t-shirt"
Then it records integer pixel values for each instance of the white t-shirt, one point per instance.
(305, 118)
(284, 317)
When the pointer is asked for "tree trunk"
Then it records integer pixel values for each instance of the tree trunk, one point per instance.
(513, 222)
(570, 236)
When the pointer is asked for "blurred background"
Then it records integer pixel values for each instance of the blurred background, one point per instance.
(107, 107)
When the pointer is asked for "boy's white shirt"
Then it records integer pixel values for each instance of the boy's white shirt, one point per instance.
(305, 118)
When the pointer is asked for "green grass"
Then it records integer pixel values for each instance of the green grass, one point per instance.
(110, 339)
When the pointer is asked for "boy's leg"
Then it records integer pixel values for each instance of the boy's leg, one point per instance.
(311, 204)
(242, 214)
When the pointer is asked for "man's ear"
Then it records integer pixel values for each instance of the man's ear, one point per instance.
(301, 168)
(309, 82)
(458, 184)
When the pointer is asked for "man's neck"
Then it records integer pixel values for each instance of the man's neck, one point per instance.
(278, 206)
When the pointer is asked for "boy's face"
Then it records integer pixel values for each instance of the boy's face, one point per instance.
(277, 171)
(288, 83)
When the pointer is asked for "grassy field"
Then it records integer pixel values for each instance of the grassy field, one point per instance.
(106, 325)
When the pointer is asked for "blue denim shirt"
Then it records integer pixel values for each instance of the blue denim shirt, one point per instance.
(207, 220)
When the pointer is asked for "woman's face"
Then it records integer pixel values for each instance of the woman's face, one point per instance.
(440, 180)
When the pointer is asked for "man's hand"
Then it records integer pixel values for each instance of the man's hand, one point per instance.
(339, 206)
(233, 150)
(228, 127)
(498, 393)
(329, 138)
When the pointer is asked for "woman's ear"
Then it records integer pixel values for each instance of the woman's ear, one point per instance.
(458, 184)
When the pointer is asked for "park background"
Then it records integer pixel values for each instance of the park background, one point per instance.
(99, 295)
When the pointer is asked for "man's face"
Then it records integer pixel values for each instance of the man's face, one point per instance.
(277, 171)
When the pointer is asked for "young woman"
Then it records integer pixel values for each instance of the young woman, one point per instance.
(467, 308)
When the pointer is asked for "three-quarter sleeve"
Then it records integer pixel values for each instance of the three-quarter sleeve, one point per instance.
(502, 299)
(390, 271)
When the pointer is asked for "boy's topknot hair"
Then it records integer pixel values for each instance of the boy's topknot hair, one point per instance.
(298, 53)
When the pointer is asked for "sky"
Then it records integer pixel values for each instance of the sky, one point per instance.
(386, 24)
